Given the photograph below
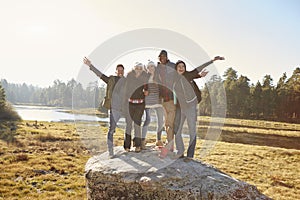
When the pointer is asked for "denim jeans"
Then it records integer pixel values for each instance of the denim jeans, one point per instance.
(114, 117)
(188, 113)
(160, 121)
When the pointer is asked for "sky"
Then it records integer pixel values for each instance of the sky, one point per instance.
(42, 41)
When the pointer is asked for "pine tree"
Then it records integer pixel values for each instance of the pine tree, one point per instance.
(281, 101)
(256, 94)
(2, 98)
(243, 96)
(268, 97)
(230, 88)
(293, 85)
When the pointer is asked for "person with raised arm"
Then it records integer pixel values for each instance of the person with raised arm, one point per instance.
(186, 98)
(113, 100)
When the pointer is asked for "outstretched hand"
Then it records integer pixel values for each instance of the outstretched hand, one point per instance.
(218, 58)
(87, 61)
(203, 73)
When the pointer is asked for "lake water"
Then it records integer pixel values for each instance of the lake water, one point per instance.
(53, 114)
(45, 113)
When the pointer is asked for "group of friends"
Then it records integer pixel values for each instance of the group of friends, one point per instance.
(165, 87)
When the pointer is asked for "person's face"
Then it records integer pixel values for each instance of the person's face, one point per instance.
(120, 71)
(163, 59)
(151, 69)
(138, 70)
(180, 68)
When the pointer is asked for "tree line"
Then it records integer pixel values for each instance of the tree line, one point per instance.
(262, 100)
(60, 94)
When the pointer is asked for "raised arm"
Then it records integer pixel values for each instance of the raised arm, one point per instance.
(201, 67)
(95, 70)
(195, 73)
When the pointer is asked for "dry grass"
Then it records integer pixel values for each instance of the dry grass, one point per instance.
(46, 160)
(274, 171)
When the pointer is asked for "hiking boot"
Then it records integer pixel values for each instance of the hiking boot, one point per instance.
(138, 149)
(187, 159)
(127, 149)
(159, 143)
(177, 156)
(143, 145)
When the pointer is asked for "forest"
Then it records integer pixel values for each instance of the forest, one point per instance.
(263, 100)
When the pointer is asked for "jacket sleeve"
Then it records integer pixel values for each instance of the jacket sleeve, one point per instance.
(146, 80)
(191, 75)
(99, 74)
(201, 67)
(195, 72)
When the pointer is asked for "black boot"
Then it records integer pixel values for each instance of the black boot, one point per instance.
(127, 142)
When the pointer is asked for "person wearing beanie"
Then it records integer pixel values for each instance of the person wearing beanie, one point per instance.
(113, 100)
(186, 100)
(135, 91)
(165, 70)
(153, 102)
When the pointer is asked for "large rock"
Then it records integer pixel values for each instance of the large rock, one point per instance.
(146, 176)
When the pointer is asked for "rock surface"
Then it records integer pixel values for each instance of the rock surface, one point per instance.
(145, 175)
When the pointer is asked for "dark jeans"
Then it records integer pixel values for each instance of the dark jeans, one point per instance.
(136, 111)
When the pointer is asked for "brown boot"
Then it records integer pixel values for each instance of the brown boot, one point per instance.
(159, 143)
(143, 145)
(137, 149)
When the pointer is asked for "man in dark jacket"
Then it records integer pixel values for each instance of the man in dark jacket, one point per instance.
(165, 70)
(114, 98)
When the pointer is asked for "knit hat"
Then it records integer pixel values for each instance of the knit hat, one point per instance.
(138, 64)
(151, 63)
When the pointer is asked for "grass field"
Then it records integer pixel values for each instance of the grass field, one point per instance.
(46, 160)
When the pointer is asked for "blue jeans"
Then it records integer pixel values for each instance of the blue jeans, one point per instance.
(114, 117)
(160, 122)
(189, 113)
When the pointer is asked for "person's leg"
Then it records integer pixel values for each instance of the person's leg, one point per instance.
(128, 130)
(191, 116)
(177, 119)
(138, 110)
(160, 121)
(180, 117)
(170, 110)
(146, 123)
(114, 117)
